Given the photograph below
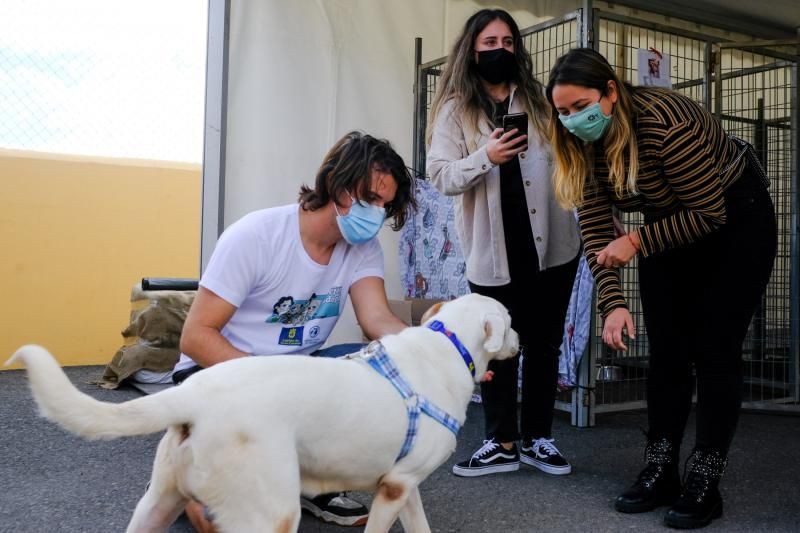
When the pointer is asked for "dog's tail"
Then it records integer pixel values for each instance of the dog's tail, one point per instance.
(61, 402)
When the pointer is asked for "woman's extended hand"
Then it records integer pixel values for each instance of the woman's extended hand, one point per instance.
(619, 252)
(617, 322)
(501, 148)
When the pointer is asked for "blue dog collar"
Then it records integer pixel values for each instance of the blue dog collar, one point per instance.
(435, 325)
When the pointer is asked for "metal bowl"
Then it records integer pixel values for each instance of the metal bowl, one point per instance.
(608, 373)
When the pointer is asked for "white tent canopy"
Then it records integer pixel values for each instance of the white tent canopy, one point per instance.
(286, 79)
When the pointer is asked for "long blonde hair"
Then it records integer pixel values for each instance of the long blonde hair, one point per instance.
(460, 80)
(574, 158)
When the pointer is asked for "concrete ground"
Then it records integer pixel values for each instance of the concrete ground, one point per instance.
(52, 481)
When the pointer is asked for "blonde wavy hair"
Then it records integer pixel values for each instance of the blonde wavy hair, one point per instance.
(574, 158)
(460, 80)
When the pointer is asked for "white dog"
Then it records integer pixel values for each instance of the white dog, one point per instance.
(247, 436)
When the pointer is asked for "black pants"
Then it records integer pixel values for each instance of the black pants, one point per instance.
(698, 302)
(537, 301)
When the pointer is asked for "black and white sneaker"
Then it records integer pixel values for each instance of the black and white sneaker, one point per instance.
(544, 455)
(490, 458)
(336, 508)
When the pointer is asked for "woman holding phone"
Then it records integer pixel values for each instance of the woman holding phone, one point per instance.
(521, 247)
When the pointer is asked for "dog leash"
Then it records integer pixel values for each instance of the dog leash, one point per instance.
(375, 355)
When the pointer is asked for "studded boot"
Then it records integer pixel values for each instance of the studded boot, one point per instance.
(658, 484)
(700, 500)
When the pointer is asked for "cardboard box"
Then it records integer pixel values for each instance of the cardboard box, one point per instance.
(418, 308)
(402, 309)
(409, 310)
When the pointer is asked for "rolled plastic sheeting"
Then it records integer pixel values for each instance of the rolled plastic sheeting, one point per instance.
(169, 284)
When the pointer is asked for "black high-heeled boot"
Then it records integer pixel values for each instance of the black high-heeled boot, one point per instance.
(700, 501)
(658, 484)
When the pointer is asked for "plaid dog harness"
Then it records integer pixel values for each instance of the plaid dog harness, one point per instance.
(375, 356)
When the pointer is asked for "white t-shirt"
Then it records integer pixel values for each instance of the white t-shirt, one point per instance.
(286, 303)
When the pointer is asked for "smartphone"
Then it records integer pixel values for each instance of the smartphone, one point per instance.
(517, 121)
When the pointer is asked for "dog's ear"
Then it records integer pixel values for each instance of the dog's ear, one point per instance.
(495, 330)
(432, 310)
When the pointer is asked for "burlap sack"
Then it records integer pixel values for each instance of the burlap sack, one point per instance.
(153, 336)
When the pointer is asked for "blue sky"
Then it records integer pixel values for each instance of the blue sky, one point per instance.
(104, 77)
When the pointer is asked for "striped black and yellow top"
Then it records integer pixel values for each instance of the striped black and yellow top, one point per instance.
(685, 164)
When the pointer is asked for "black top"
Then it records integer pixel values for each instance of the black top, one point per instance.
(520, 248)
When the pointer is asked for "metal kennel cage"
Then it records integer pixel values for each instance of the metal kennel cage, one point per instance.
(752, 88)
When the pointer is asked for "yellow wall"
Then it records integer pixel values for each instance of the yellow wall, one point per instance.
(76, 234)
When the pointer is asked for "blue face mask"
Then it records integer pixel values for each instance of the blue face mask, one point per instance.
(588, 124)
(362, 223)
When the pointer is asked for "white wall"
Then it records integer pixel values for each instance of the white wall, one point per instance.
(304, 72)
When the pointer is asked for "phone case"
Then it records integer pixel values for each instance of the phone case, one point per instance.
(516, 120)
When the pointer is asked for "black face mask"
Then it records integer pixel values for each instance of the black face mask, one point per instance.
(496, 66)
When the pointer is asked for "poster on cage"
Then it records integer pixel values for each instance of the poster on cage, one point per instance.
(654, 68)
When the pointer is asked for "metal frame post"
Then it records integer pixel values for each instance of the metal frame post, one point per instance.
(710, 59)
(583, 398)
(419, 128)
(212, 218)
(794, 268)
(586, 24)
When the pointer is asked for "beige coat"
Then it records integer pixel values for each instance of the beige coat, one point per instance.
(459, 166)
